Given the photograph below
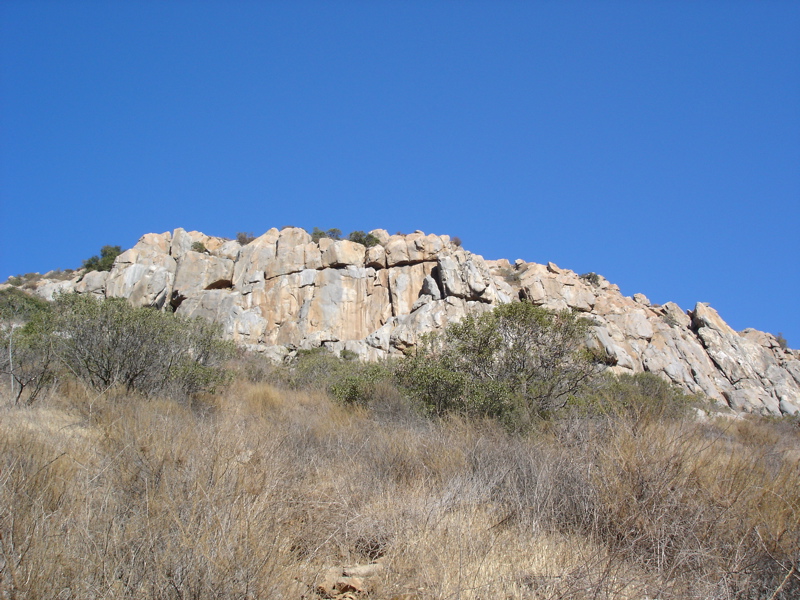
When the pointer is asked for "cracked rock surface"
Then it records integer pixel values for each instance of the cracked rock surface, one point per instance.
(283, 292)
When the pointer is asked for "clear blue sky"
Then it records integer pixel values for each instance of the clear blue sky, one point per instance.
(656, 143)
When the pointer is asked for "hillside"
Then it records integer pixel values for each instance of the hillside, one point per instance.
(284, 291)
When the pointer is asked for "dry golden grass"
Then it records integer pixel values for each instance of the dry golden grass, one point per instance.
(256, 493)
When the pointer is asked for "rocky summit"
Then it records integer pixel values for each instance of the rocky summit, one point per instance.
(283, 291)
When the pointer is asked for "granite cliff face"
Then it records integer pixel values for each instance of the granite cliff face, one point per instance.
(283, 291)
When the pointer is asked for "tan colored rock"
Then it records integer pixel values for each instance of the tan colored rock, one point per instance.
(93, 282)
(705, 316)
(290, 252)
(254, 259)
(228, 249)
(182, 242)
(343, 253)
(466, 276)
(633, 324)
(396, 251)
(405, 285)
(641, 299)
(381, 235)
(155, 243)
(376, 257)
(674, 315)
(143, 276)
(196, 271)
(50, 290)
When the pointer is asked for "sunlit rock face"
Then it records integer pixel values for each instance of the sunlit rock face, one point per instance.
(284, 291)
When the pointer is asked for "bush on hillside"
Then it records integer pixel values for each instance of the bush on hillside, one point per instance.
(638, 398)
(591, 278)
(25, 354)
(17, 306)
(110, 343)
(105, 261)
(27, 358)
(365, 239)
(333, 234)
(245, 238)
(516, 359)
(346, 379)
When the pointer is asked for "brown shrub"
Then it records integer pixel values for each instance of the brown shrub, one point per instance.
(261, 493)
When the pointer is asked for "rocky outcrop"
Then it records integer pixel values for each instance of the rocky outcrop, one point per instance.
(283, 292)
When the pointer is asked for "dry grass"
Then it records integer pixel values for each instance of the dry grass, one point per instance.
(257, 493)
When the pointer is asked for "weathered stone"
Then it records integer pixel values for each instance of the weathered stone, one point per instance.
(376, 257)
(254, 259)
(143, 276)
(641, 299)
(93, 282)
(290, 252)
(343, 253)
(283, 291)
(381, 235)
(196, 271)
(431, 288)
(405, 285)
(674, 316)
(49, 290)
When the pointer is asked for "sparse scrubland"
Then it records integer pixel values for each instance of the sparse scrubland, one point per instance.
(256, 483)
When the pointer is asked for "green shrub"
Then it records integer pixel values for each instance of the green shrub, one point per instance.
(26, 356)
(516, 361)
(317, 234)
(109, 343)
(199, 247)
(346, 379)
(105, 261)
(355, 382)
(348, 355)
(16, 305)
(244, 238)
(638, 398)
(782, 341)
(365, 239)
(591, 278)
(25, 280)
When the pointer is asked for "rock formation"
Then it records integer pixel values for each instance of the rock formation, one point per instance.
(283, 292)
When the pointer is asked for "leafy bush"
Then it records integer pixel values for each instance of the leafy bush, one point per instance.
(317, 234)
(591, 278)
(518, 360)
(365, 239)
(199, 247)
(244, 238)
(355, 382)
(27, 358)
(637, 398)
(346, 379)
(16, 305)
(105, 261)
(782, 341)
(25, 353)
(25, 280)
(109, 343)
